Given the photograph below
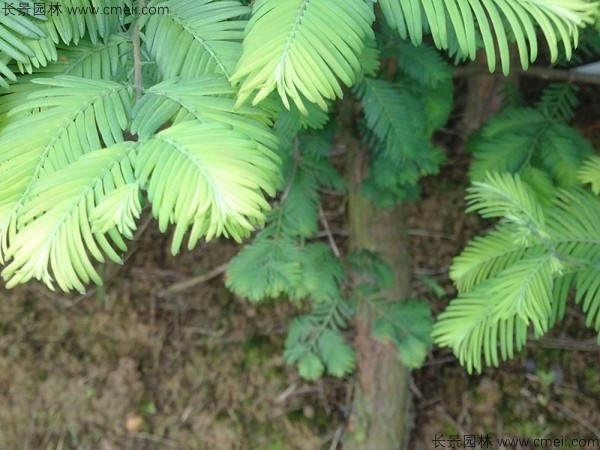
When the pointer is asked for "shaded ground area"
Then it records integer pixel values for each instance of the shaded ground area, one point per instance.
(124, 368)
(127, 367)
(550, 390)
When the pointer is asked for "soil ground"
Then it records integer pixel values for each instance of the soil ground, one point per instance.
(128, 367)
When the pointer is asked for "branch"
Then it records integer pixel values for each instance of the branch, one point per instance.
(544, 73)
(194, 281)
(137, 57)
(334, 247)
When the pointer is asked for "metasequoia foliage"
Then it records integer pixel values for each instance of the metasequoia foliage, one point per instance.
(203, 109)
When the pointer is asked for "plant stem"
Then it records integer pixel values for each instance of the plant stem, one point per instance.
(544, 73)
(137, 57)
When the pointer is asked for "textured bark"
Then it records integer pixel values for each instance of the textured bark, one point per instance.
(381, 411)
(483, 98)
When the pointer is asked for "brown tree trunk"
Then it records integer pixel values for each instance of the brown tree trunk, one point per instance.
(484, 97)
(381, 411)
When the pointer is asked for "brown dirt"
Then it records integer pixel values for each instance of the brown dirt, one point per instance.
(125, 368)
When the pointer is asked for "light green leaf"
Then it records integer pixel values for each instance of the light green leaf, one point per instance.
(302, 49)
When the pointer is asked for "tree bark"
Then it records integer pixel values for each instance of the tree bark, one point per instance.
(381, 412)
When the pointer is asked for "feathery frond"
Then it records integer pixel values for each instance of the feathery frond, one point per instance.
(197, 37)
(423, 64)
(485, 256)
(521, 139)
(520, 274)
(213, 185)
(75, 115)
(315, 342)
(558, 101)
(302, 48)
(466, 21)
(408, 325)
(506, 196)
(590, 173)
(57, 235)
(468, 328)
(17, 29)
(104, 61)
(206, 99)
(395, 116)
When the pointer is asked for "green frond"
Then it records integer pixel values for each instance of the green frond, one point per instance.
(369, 59)
(322, 274)
(561, 154)
(118, 209)
(521, 139)
(587, 289)
(400, 119)
(302, 48)
(100, 61)
(506, 142)
(395, 116)
(315, 149)
(540, 182)
(310, 366)
(266, 268)
(574, 225)
(206, 99)
(290, 122)
(17, 30)
(213, 185)
(590, 173)
(558, 101)
(299, 209)
(53, 227)
(83, 110)
(315, 342)
(423, 64)
(438, 102)
(467, 21)
(338, 355)
(65, 118)
(508, 280)
(485, 256)
(480, 321)
(505, 195)
(70, 20)
(407, 325)
(281, 266)
(525, 289)
(468, 327)
(197, 37)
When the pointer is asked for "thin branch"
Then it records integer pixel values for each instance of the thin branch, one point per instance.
(137, 57)
(286, 192)
(337, 437)
(448, 418)
(430, 233)
(582, 421)
(334, 247)
(194, 281)
(544, 73)
(156, 439)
